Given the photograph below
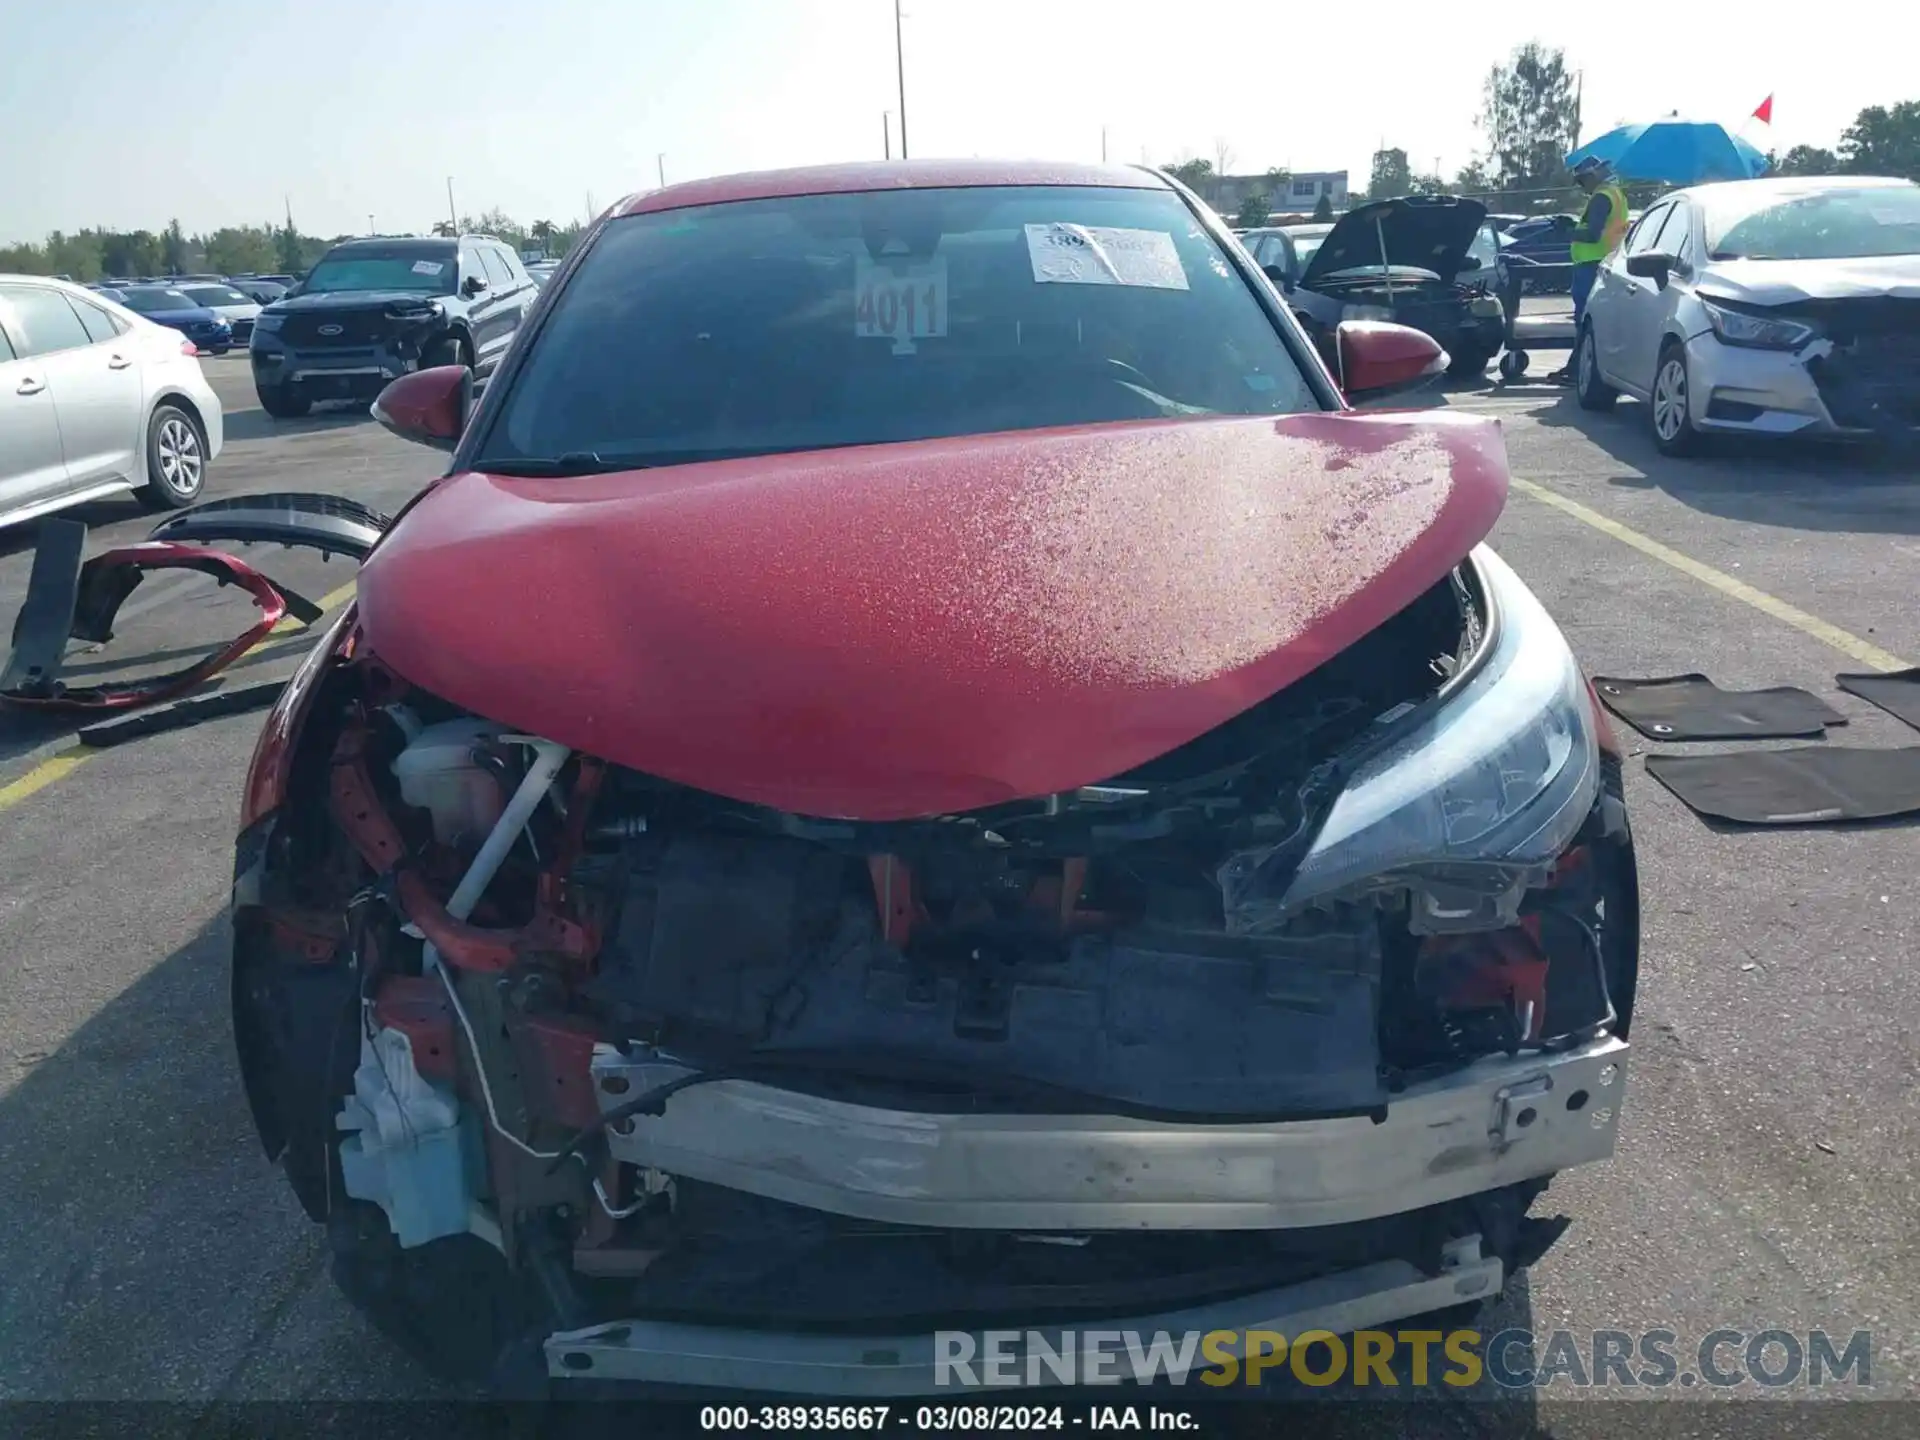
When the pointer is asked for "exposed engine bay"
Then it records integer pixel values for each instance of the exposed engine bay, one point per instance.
(667, 1054)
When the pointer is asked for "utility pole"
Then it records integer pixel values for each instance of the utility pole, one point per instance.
(453, 215)
(660, 164)
(370, 229)
(1579, 88)
(589, 207)
(886, 134)
(900, 67)
(1103, 144)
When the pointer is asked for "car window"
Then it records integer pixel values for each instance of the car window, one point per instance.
(1842, 223)
(99, 325)
(1643, 235)
(215, 295)
(850, 319)
(43, 320)
(154, 302)
(499, 274)
(6, 345)
(424, 269)
(515, 268)
(1676, 238)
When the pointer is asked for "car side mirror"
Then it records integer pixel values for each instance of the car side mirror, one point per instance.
(472, 286)
(428, 407)
(1278, 275)
(1378, 358)
(1650, 265)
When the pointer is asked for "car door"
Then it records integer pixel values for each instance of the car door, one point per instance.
(491, 315)
(95, 380)
(32, 465)
(1623, 306)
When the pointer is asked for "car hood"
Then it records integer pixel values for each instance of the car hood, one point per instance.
(346, 300)
(1783, 282)
(908, 630)
(235, 312)
(1426, 233)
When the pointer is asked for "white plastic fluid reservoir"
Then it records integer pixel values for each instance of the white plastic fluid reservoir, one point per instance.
(437, 772)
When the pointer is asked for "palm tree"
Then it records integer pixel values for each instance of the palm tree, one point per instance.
(444, 228)
(542, 233)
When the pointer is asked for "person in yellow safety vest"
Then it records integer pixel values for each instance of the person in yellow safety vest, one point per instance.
(1602, 227)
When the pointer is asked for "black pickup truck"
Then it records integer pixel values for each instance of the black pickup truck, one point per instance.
(374, 309)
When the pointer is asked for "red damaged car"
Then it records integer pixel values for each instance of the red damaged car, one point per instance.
(922, 771)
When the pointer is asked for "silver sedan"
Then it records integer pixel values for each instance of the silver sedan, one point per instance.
(1772, 307)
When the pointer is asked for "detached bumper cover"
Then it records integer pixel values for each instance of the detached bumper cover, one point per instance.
(876, 1366)
(1494, 1123)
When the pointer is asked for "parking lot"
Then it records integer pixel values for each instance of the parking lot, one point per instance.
(1764, 1177)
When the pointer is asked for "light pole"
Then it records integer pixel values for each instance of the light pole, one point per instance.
(369, 224)
(660, 164)
(453, 215)
(900, 68)
(886, 134)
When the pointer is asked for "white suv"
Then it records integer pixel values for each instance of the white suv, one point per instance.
(96, 401)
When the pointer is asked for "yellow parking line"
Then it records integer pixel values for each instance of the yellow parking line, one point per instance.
(63, 763)
(55, 767)
(1848, 644)
(333, 600)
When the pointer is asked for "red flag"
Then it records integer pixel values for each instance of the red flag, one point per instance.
(1764, 111)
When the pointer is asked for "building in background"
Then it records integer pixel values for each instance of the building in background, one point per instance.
(1298, 193)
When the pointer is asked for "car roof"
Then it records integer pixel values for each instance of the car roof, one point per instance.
(888, 175)
(1785, 187)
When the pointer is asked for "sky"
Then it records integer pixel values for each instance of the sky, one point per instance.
(355, 114)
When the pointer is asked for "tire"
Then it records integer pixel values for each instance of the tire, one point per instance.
(176, 459)
(220, 350)
(450, 351)
(1592, 392)
(1513, 364)
(282, 402)
(1467, 364)
(1672, 416)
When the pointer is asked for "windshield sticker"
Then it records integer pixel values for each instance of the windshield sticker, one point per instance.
(1065, 254)
(901, 302)
(428, 267)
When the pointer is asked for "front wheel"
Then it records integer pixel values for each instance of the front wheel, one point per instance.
(283, 402)
(1672, 408)
(1592, 392)
(1468, 363)
(451, 351)
(176, 459)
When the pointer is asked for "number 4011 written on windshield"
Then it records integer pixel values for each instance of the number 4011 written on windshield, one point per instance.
(901, 304)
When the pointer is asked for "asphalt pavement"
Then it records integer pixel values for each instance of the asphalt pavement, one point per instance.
(1766, 1166)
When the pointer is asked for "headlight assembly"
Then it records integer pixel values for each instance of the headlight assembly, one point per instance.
(269, 323)
(1467, 808)
(1755, 332)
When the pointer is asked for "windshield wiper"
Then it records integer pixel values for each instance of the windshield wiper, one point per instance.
(574, 462)
(592, 462)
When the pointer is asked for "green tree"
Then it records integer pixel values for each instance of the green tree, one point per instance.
(1530, 117)
(1194, 173)
(235, 250)
(289, 248)
(1473, 179)
(1323, 208)
(542, 234)
(133, 252)
(173, 248)
(75, 256)
(445, 229)
(1884, 142)
(1806, 160)
(1391, 175)
(1253, 211)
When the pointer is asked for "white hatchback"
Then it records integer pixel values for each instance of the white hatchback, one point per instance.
(96, 401)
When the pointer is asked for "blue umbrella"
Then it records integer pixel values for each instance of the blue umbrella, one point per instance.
(1679, 152)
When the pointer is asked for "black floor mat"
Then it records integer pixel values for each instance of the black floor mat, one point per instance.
(1692, 707)
(1808, 785)
(1897, 694)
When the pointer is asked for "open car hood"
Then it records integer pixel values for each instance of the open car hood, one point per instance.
(907, 630)
(1425, 232)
